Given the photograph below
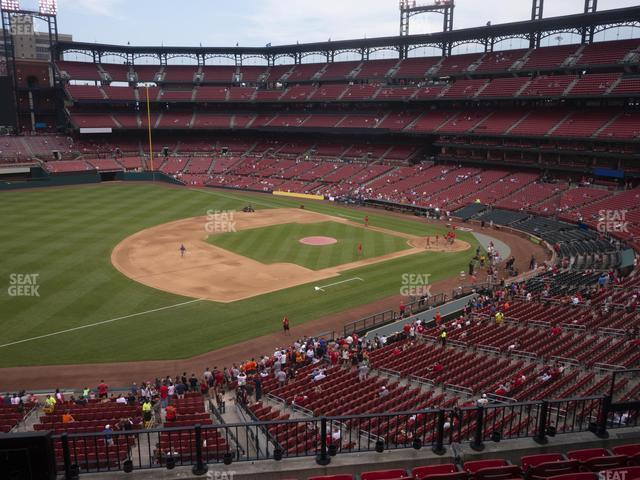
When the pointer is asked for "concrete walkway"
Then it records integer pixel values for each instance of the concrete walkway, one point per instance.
(485, 240)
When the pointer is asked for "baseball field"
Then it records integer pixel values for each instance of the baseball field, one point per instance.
(95, 273)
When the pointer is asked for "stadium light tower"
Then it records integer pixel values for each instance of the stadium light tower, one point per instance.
(10, 5)
(410, 8)
(48, 7)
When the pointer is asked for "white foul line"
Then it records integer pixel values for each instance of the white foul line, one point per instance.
(100, 323)
(337, 283)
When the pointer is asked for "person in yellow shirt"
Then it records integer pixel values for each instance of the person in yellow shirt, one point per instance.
(499, 318)
(49, 404)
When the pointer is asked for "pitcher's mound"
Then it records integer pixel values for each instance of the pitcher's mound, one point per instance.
(318, 241)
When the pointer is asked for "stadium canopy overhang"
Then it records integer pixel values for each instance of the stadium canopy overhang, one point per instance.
(585, 24)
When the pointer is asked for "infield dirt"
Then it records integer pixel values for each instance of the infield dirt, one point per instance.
(152, 257)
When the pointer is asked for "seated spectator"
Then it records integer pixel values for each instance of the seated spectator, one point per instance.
(49, 404)
(67, 417)
(121, 400)
(171, 413)
(483, 401)
(383, 392)
(320, 375)
(126, 424)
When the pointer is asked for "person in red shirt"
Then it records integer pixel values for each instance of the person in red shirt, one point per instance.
(164, 395)
(406, 329)
(171, 413)
(438, 318)
(218, 377)
(366, 221)
(359, 249)
(285, 325)
(334, 357)
(103, 390)
(437, 367)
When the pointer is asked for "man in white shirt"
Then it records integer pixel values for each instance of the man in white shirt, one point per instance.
(242, 379)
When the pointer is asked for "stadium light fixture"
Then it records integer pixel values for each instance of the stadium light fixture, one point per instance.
(10, 5)
(48, 7)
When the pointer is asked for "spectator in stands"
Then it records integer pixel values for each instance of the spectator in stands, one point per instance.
(320, 375)
(443, 337)
(59, 396)
(170, 413)
(335, 436)
(121, 400)
(67, 417)
(483, 401)
(108, 435)
(125, 424)
(164, 395)
(49, 404)
(180, 389)
(383, 392)
(363, 371)
(103, 389)
(281, 377)
(193, 383)
(257, 384)
(242, 379)
(437, 368)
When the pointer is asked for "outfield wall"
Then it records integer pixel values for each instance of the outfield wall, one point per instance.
(41, 178)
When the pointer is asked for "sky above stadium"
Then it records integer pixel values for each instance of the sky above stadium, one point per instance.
(258, 22)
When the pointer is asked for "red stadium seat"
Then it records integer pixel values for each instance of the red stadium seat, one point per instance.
(533, 460)
(384, 475)
(342, 476)
(499, 473)
(576, 476)
(422, 472)
(552, 469)
(474, 465)
(631, 451)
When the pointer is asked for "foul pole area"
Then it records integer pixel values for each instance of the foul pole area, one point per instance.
(153, 170)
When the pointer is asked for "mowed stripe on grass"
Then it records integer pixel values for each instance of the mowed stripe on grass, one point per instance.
(66, 236)
(281, 243)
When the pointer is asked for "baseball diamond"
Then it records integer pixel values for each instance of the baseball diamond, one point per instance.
(370, 257)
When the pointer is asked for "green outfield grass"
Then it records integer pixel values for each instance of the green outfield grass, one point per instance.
(66, 235)
(280, 243)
